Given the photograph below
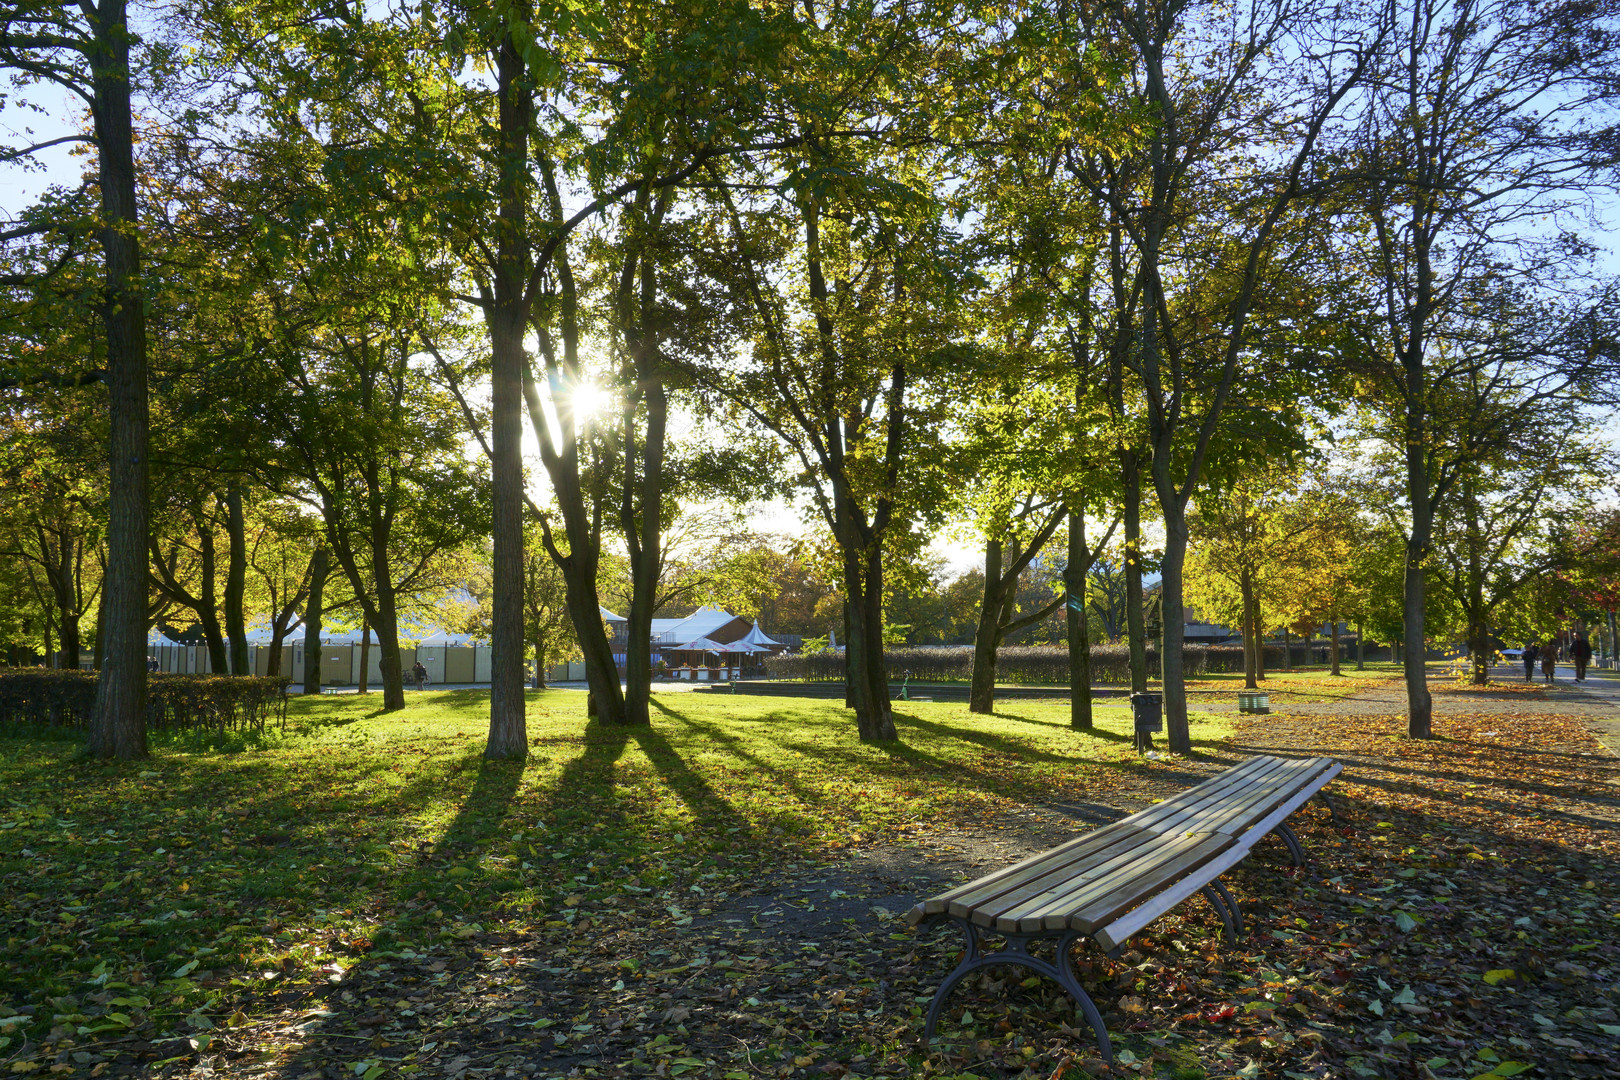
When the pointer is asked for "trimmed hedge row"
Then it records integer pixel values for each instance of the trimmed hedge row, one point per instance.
(1028, 665)
(183, 703)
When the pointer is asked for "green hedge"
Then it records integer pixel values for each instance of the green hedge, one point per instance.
(183, 703)
(1029, 665)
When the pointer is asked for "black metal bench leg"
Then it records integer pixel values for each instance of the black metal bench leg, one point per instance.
(1017, 953)
(1219, 904)
(1333, 815)
(1295, 849)
(1231, 905)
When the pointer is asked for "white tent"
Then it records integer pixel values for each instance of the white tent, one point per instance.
(440, 637)
(703, 644)
(756, 636)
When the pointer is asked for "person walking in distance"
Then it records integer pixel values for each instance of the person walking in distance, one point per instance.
(1529, 657)
(419, 673)
(1580, 651)
(1549, 660)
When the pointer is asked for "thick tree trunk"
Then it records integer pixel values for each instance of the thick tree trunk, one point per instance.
(313, 614)
(1076, 579)
(539, 665)
(272, 665)
(1177, 732)
(508, 322)
(118, 728)
(987, 638)
(236, 581)
(364, 686)
(1135, 626)
(865, 668)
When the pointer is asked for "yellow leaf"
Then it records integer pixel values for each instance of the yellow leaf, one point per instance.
(1496, 976)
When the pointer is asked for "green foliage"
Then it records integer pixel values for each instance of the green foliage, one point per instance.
(180, 704)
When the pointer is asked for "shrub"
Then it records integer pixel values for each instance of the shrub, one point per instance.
(175, 703)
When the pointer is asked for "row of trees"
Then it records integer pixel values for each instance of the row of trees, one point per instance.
(1032, 267)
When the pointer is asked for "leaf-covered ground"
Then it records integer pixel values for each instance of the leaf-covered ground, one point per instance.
(720, 896)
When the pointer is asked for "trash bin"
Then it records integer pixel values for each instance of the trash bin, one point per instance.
(1146, 711)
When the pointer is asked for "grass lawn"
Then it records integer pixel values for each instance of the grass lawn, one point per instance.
(153, 906)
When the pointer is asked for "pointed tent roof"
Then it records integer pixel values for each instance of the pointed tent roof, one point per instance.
(756, 636)
(608, 616)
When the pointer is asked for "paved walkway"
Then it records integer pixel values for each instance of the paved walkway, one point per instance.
(1606, 686)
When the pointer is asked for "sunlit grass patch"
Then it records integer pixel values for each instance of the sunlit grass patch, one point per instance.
(209, 871)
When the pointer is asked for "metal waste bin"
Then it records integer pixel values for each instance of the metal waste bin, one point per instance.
(1146, 711)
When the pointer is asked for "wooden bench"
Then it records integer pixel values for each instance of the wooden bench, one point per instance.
(1110, 883)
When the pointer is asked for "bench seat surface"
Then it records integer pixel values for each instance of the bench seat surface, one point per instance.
(1095, 879)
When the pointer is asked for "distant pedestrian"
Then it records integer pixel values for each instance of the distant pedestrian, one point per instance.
(1581, 652)
(1530, 652)
(419, 673)
(1549, 660)
(152, 663)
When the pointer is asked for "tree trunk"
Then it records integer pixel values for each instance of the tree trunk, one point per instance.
(865, 672)
(318, 569)
(118, 727)
(207, 608)
(385, 619)
(1288, 649)
(641, 511)
(508, 320)
(987, 638)
(1333, 647)
(1135, 628)
(236, 581)
(1614, 643)
(1479, 637)
(1076, 578)
(1172, 613)
(100, 647)
(364, 686)
(540, 665)
(1361, 647)
(849, 679)
(1251, 643)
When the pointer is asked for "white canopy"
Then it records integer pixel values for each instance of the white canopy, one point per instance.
(756, 636)
(703, 644)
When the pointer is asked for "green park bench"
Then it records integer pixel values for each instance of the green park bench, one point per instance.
(1112, 882)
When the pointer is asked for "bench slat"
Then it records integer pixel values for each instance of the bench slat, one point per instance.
(1034, 865)
(1133, 893)
(1276, 785)
(1211, 794)
(1240, 818)
(1000, 895)
(1051, 910)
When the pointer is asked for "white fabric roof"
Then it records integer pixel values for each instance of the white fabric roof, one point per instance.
(701, 623)
(608, 616)
(756, 636)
